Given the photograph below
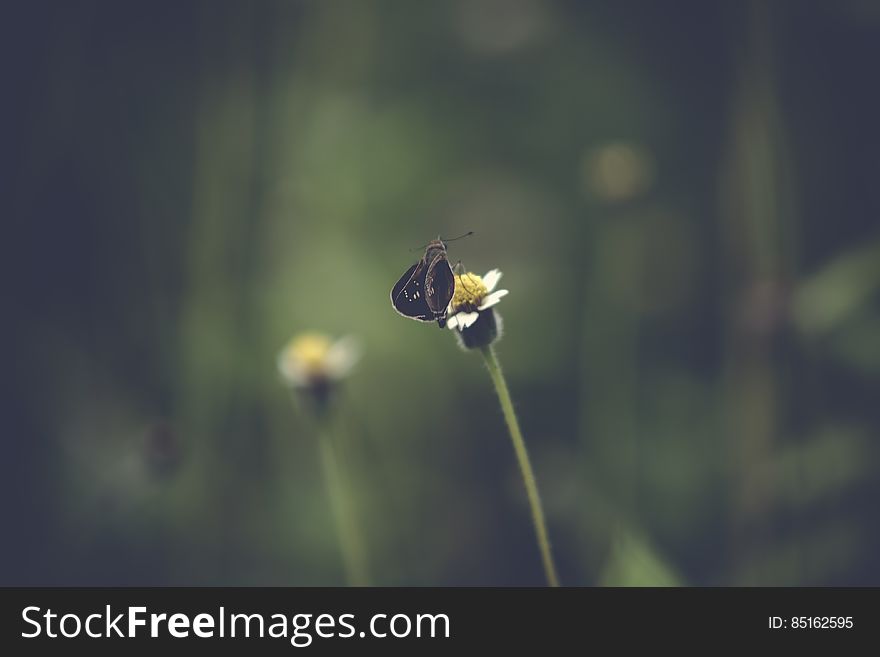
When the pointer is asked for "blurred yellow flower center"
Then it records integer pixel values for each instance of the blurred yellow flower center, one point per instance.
(469, 291)
(309, 351)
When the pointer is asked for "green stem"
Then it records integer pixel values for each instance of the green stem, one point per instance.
(525, 465)
(353, 553)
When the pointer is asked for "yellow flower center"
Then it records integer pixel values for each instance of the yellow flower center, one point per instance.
(469, 292)
(309, 351)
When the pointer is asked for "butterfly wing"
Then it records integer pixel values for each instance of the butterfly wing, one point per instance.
(408, 294)
(439, 286)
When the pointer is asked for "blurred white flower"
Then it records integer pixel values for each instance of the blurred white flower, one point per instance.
(315, 360)
(618, 171)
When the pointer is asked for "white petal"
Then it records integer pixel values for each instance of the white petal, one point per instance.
(467, 320)
(291, 371)
(490, 280)
(342, 356)
(492, 299)
(452, 322)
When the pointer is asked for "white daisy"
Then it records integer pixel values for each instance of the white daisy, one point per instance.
(314, 359)
(471, 311)
(473, 295)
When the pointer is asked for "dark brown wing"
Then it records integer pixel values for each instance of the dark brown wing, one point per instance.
(439, 286)
(408, 294)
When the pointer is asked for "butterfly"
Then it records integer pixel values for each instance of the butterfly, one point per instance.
(425, 289)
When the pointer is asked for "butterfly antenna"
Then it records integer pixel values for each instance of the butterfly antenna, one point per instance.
(452, 239)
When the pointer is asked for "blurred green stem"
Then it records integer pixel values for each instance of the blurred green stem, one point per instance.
(525, 465)
(353, 553)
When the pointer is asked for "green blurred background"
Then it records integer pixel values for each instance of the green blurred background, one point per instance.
(683, 198)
